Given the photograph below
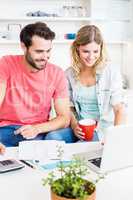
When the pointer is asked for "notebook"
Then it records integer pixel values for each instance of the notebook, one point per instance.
(117, 152)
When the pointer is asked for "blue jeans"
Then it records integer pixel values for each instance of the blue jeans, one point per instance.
(66, 135)
(9, 139)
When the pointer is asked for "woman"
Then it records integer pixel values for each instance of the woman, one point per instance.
(95, 86)
(2, 148)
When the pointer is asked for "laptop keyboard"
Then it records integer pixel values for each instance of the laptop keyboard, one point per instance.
(96, 161)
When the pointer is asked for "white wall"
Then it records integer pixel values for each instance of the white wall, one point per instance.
(120, 53)
(128, 63)
(60, 53)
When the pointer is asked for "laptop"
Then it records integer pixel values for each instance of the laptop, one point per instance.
(116, 153)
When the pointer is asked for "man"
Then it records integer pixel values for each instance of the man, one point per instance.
(28, 83)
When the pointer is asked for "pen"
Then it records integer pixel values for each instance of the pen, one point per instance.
(28, 164)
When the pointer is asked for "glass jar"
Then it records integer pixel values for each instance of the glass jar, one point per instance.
(65, 10)
(81, 11)
(74, 12)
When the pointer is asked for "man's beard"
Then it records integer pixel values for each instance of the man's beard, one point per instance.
(32, 63)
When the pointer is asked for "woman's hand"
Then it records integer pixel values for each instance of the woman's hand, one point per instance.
(78, 132)
(2, 149)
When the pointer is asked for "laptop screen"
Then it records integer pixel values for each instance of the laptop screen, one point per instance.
(96, 161)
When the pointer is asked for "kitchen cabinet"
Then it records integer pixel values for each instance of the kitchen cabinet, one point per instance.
(113, 17)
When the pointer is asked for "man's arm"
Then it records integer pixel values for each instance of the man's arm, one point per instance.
(2, 95)
(2, 91)
(62, 120)
(2, 148)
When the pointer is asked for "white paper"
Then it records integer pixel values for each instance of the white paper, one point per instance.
(45, 150)
(41, 150)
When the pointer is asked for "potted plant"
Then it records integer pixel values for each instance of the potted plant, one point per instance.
(70, 184)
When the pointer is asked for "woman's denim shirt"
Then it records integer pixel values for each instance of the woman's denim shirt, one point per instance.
(108, 91)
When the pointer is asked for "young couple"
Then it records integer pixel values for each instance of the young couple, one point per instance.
(29, 82)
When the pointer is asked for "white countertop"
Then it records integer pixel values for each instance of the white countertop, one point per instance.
(26, 184)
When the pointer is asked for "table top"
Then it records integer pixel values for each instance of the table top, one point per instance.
(26, 184)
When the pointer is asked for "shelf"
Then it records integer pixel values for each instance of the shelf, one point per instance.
(122, 42)
(62, 41)
(60, 19)
(16, 42)
(5, 41)
(113, 17)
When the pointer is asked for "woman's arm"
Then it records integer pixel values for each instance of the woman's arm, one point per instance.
(74, 125)
(74, 121)
(119, 114)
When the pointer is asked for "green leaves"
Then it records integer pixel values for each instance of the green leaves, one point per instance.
(71, 183)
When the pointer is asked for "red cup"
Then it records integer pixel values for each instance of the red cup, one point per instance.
(88, 126)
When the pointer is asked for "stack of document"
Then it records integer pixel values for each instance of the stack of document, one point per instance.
(44, 154)
(44, 151)
(40, 150)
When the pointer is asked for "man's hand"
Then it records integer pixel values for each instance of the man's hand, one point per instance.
(28, 131)
(2, 149)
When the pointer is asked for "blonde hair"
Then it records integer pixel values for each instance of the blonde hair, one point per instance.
(86, 35)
